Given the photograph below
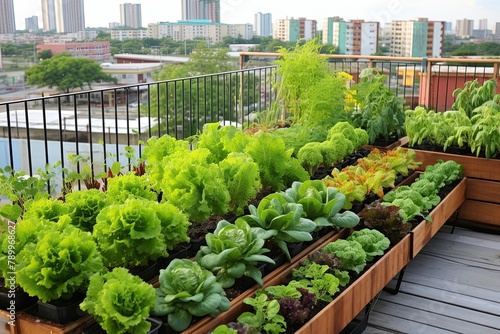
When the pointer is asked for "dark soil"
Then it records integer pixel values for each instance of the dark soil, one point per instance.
(426, 146)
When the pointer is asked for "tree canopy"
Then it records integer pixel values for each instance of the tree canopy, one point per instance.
(66, 72)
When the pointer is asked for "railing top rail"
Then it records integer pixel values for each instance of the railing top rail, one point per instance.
(355, 57)
(132, 86)
(386, 58)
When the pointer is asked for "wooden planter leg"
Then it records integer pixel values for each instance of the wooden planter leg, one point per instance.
(359, 326)
(455, 219)
(395, 290)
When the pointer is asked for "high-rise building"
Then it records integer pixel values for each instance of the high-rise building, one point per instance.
(7, 18)
(201, 10)
(292, 30)
(70, 16)
(417, 38)
(31, 23)
(355, 37)
(483, 24)
(263, 24)
(130, 15)
(49, 15)
(497, 29)
(464, 28)
(212, 32)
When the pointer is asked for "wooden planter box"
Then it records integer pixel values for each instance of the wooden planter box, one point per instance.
(28, 324)
(482, 203)
(424, 231)
(346, 306)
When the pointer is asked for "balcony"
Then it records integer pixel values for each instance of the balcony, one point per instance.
(449, 287)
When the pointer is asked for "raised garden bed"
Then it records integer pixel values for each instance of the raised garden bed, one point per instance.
(482, 202)
(349, 303)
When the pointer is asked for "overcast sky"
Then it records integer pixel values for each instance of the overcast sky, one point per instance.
(98, 13)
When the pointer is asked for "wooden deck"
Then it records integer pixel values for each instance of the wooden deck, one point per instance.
(451, 286)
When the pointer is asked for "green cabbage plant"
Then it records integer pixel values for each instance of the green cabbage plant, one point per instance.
(283, 221)
(120, 302)
(321, 204)
(187, 290)
(351, 253)
(234, 250)
(374, 242)
(129, 234)
(59, 263)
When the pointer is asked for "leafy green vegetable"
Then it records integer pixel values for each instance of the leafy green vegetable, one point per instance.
(45, 208)
(315, 278)
(310, 157)
(120, 302)
(242, 178)
(380, 111)
(174, 224)
(187, 290)
(473, 95)
(374, 242)
(278, 169)
(234, 250)
(321, 204)
(84, 206)
(155, 150)
(59, 263)
(386, 219)
(282, 220)
(266, 317)
(194, 185)
(121, 187)
(129, 234)
(351, 253)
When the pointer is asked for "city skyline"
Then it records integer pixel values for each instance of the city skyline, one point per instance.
(101, 13)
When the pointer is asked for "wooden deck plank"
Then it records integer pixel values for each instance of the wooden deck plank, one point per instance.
(452, 286)
(493, 243)
(430, 316)
(479, 235)
(454, 249)
(464, 273)
(401, 324)
(454, 298)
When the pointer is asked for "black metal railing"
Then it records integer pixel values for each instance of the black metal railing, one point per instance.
(98, 124)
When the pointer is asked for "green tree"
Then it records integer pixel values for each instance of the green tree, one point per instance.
(45, 54)
(190, 104)
(66, 72)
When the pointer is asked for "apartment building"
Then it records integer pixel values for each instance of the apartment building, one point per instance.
(263, 24)
(98, 51)
(123, 34)
(7, 18)
(201, 10)
(417, 38)
(130, 15)
(31, 23)
(355, 37)
(464, 28)
(213, 32)
(70, 15)
(292, 30)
